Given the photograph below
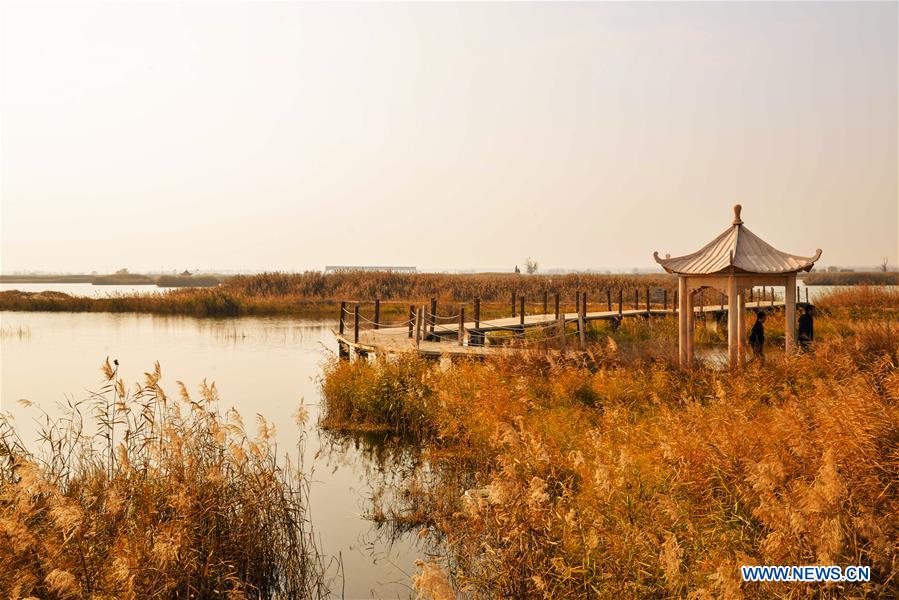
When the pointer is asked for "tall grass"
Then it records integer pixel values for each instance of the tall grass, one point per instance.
(166, 498)
(615, 474)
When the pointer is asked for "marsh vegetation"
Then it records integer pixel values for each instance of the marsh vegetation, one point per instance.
(133, 494)
(611, 472)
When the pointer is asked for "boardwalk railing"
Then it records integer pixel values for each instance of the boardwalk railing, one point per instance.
(427, 331)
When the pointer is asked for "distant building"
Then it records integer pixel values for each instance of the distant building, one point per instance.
(356, 268)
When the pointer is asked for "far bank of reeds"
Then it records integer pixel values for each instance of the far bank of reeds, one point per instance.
(852, 278)
(317, 295)
(614, 474)
(168, 498)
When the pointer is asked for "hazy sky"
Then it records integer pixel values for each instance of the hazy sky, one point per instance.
(290, 136)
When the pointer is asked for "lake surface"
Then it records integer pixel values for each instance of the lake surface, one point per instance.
(259, 365)
(83, 289)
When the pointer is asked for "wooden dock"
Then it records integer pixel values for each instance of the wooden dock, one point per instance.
(429, 334)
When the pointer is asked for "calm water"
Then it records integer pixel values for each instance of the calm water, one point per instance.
(83, 289)
(260, 365)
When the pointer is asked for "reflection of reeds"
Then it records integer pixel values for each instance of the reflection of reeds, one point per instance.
(167, 499)
(19, 332)
(614, 473)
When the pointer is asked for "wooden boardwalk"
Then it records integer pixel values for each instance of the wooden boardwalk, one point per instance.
(443, 339)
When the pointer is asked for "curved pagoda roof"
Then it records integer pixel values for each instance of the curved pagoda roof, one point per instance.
(737, 250)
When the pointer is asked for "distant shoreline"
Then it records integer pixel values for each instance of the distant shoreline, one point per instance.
(204, 280)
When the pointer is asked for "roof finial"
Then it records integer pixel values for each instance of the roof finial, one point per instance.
(737, 219)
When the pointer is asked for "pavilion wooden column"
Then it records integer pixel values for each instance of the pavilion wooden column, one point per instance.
(741, 327)
(682, 321)
(691, 320)
(790, 314)
(733, 333)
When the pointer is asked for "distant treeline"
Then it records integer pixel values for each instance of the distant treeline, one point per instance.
(853, 278)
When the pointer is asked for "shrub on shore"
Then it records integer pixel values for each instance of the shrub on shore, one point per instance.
(168, 498)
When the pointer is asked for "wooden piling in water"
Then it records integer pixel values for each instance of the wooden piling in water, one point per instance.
(377, 313)
(342, 313)
(356, 323)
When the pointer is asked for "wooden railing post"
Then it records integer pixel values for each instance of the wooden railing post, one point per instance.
(582, 334)
(609, 299)
(620, 302)
(411, 320)
(377, 313)
(432, 319)
(584, 304)
(462, 325)
(806, 294)
(636, 299)
(545, 299)
(521, 301)
(419, 318)
(577, 301)
(560, 321)
(557, 300)
(514, 302)
(356, 323)
(342, 313)
(477, 312)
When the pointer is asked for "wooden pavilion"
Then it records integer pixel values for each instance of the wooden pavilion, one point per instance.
(732, 263)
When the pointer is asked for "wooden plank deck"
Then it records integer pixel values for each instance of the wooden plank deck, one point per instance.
(396, 340)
